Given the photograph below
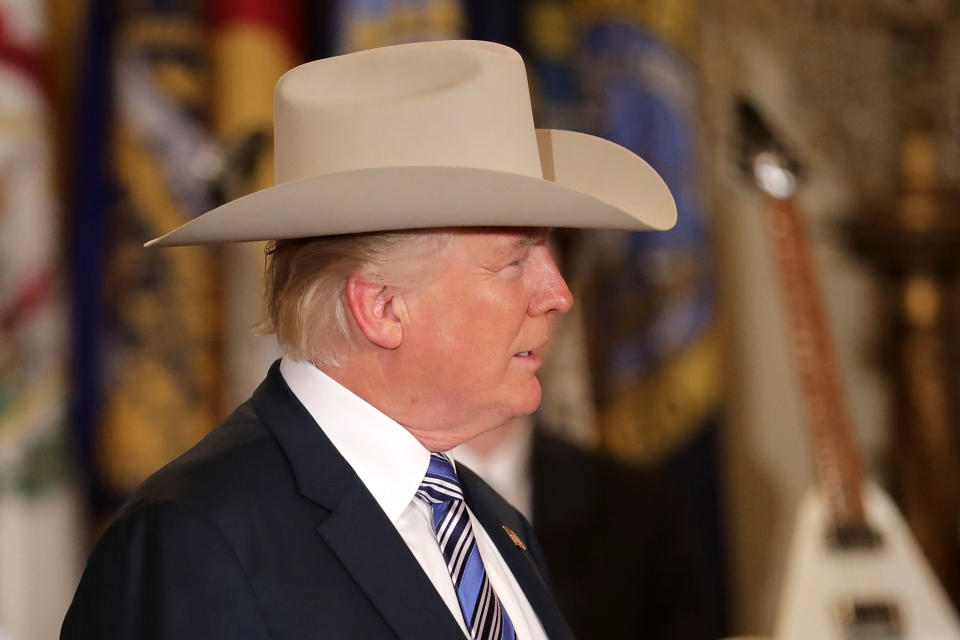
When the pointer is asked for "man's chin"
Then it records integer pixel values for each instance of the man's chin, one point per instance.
(529, 401)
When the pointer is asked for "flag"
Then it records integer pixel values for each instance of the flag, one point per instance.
(148, 321)
(650, 300)
(254, 43)
(88, 171)
(40, 549)
(365, 24)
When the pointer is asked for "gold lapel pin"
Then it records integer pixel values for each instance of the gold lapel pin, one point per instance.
(514, 537)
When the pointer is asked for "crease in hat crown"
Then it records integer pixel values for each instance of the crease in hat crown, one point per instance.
(445, 103)
(428, 134)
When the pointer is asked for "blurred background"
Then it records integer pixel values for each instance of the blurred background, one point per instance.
(121, 119)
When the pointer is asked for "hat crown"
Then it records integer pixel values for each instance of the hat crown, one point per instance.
(443, 104)
(430, 134)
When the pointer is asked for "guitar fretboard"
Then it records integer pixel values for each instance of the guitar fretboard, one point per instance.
(837, 462)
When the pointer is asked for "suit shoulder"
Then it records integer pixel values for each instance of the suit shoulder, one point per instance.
(218, 470)
(164, 548)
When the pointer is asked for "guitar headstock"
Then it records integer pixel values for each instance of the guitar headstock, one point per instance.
(763, 159)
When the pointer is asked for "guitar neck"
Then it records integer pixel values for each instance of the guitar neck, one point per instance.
(836, 461)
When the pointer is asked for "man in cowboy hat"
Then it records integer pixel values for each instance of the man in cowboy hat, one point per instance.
(411, 290)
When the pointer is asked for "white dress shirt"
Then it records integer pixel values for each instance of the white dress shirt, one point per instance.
(391, 463)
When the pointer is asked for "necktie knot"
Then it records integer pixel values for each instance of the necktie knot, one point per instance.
(440, 484)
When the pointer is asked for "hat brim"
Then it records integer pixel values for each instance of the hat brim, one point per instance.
(588, 182)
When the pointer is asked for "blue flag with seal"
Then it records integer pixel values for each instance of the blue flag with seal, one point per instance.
(650, 300)
(148, 323)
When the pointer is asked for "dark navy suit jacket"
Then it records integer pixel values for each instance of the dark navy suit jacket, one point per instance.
(262, 530)
(621, 545)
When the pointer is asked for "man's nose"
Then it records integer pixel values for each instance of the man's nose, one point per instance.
(552, 295)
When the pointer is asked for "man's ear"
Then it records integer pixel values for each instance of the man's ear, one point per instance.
(372, 307)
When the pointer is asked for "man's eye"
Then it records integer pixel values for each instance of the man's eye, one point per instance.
(520, 259)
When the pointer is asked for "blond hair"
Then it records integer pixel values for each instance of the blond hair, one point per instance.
(305, 280)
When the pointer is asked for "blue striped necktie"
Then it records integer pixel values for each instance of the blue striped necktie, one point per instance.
(485, 616)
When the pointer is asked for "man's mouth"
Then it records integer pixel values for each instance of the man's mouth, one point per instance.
(533, 353)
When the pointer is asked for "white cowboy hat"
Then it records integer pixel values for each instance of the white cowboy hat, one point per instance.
(429, 134)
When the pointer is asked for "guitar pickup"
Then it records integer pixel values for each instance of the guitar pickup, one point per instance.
(870, 620)
(853, 537)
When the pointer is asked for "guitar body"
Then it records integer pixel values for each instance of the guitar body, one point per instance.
(897, 593)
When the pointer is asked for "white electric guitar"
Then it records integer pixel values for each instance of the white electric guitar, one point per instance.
(855, 571)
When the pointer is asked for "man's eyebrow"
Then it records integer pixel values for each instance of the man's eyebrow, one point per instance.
(534, 237)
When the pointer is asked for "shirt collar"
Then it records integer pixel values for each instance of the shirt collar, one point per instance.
(385, 456)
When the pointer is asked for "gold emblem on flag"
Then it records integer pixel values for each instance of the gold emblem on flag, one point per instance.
(514, 537)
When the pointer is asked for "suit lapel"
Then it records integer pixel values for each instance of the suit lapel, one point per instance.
(493, 513)
(356, 530)
(370, 548)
